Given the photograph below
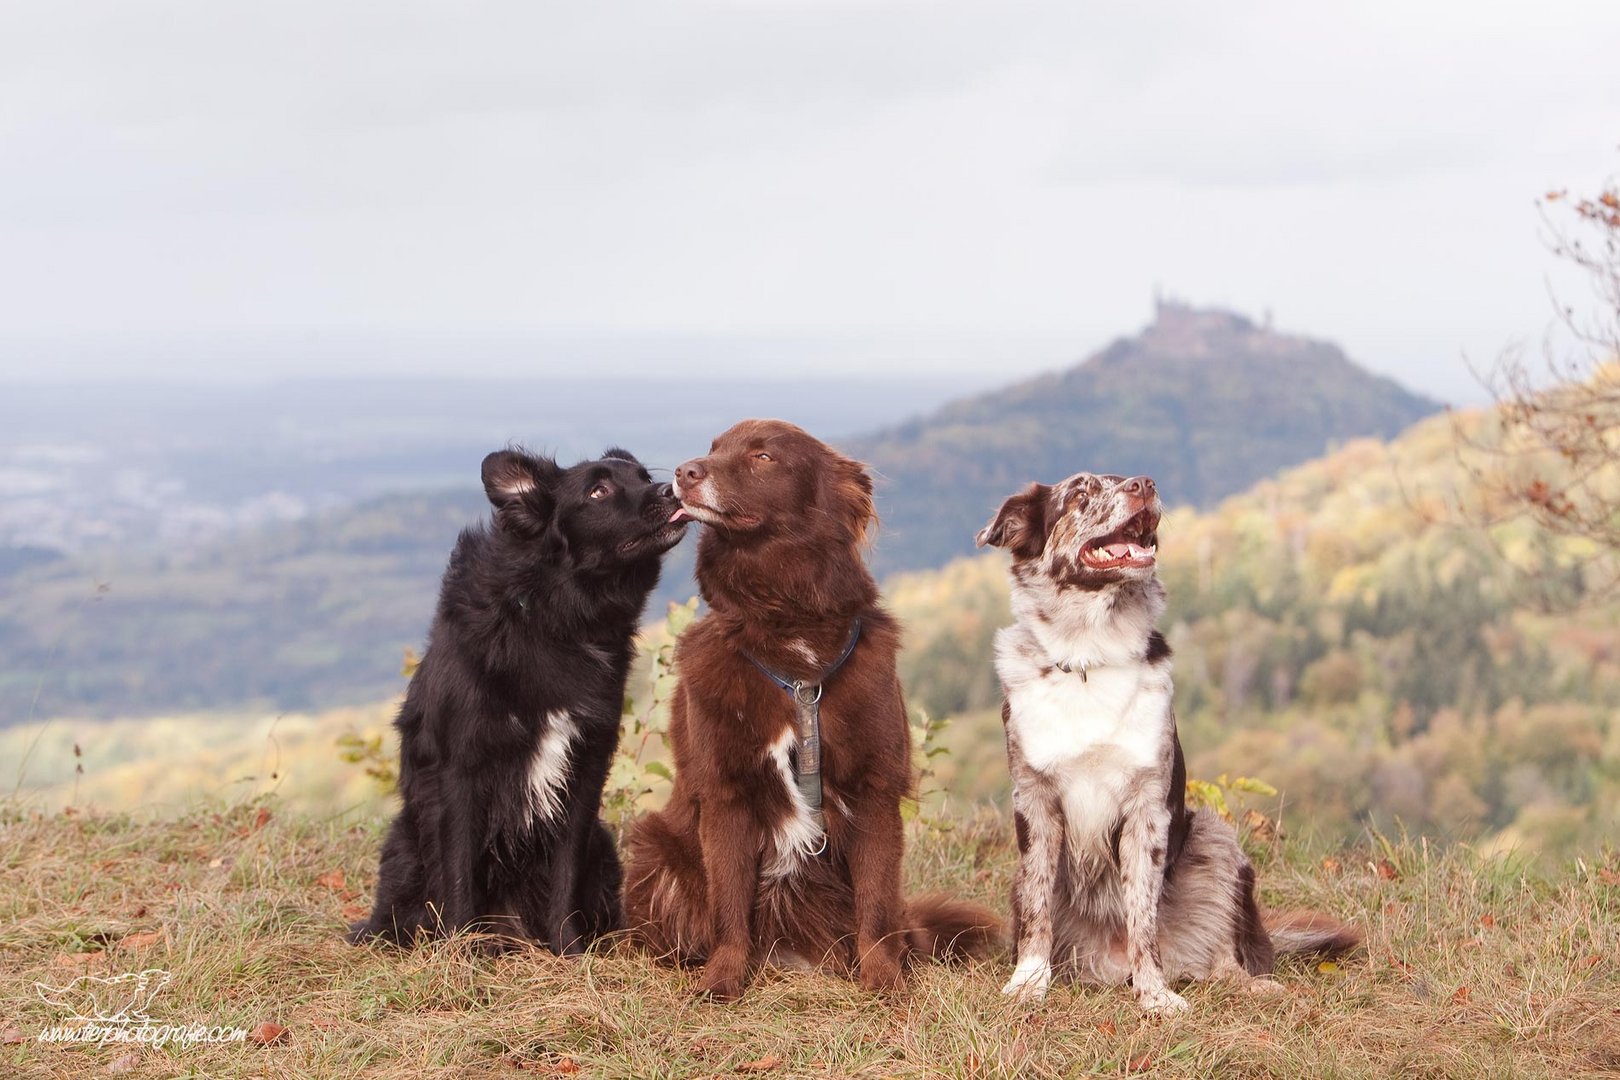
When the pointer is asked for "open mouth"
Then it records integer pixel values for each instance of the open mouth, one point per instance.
(661, 538)
(1134, 544)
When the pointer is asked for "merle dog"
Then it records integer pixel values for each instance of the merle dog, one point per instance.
(1117, 880)
(511, 720)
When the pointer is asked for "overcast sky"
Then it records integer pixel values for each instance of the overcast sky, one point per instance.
(496, 188)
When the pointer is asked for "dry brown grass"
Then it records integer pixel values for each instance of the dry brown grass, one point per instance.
(1473, 968)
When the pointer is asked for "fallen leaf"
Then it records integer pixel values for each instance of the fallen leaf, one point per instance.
(76, 959)
(1609, 877)
(11, 1036)
(764, 1064)
(1461, 995)
(567, 1067)
(125, 1063)
(1487, 921)
(333, 879)
(261, 819)
(1260, 827)
(1141, 1064)
(1387, 871)
(1332, 865)
(1592, 961)
(268, 1034)
(1107, 1027)
(140, 941)
(1327, 967)
(355, 911)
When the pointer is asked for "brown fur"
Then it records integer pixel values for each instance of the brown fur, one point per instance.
(781, 569)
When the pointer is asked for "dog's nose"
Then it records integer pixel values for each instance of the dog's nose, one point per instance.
(691, 473)
(1140, 486)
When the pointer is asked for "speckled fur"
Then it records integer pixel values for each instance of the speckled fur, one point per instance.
(1117, 881)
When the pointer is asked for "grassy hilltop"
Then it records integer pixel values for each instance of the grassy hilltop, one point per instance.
(1474, 967)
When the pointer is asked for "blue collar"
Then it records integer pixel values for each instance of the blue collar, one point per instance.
(800, 687)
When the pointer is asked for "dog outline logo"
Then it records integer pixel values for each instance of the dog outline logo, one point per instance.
(117, 999)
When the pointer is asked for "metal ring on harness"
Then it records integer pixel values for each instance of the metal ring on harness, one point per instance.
(799, 689)
(820, 848)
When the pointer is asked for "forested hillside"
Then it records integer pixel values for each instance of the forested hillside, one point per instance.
(1346, 634)
(299, 614)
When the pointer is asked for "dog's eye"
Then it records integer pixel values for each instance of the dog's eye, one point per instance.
(601, 491)
(763, 456)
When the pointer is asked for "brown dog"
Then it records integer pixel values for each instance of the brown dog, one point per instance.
(742, 866)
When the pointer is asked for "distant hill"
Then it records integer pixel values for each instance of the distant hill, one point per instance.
(1206, 402)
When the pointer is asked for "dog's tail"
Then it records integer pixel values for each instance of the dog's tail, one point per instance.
(1310, 932)
(948, 929)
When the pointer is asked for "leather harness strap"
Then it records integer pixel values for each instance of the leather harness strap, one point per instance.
(807, 730)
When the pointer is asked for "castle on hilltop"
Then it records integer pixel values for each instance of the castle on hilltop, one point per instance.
(1179, 325)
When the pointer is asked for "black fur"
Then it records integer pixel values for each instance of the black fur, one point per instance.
(535, 620)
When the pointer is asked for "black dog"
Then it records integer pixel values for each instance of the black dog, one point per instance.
(510, 723)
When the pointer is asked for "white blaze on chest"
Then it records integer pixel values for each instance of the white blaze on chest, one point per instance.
(795, 835)
(549, 767)
(1093, 736)
(1063, 719)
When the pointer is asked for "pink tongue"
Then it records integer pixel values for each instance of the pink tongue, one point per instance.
(680, 514)
(1113, 552)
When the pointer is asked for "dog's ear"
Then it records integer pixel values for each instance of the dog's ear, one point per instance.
(619, 453)
(521, 487)
(847, 489)
(1020, 524)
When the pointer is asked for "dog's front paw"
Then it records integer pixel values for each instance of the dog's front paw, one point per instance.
(494, 944)
(722, 978)
(1030, 980)
(721, 988)
(882, 972)
(1162, 1002)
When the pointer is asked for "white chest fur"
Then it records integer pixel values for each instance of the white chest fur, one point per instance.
(1114, 716)
(550, 765)
(796, 835)
(1093, 737)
